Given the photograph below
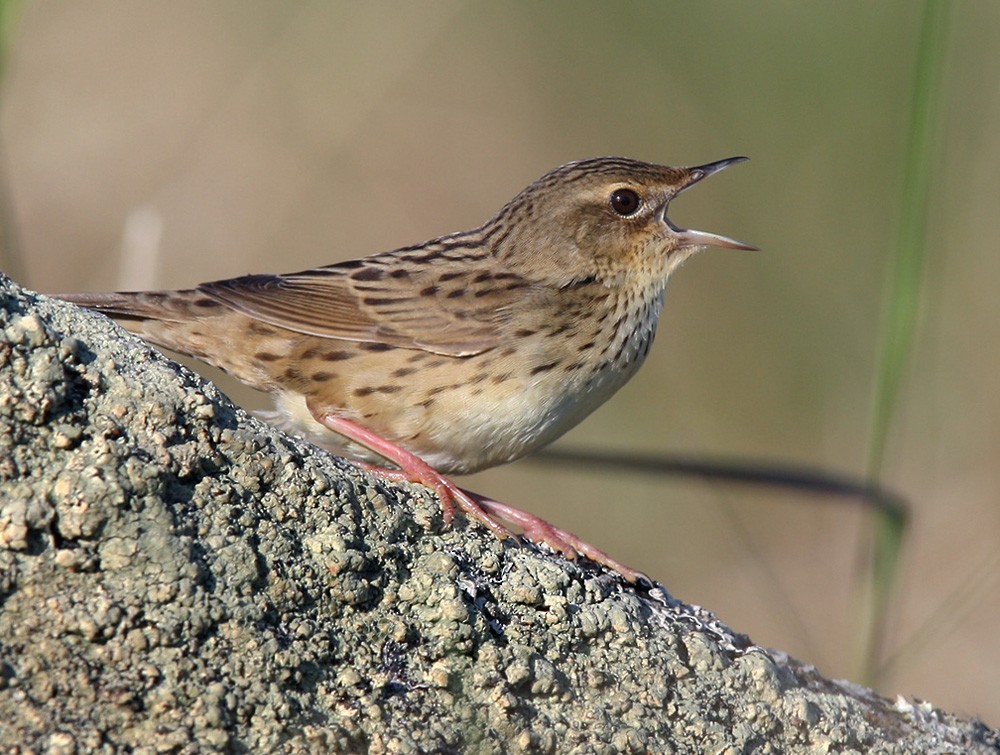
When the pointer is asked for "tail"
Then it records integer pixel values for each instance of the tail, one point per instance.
(188, 322)
(164, 306)
(178, 320)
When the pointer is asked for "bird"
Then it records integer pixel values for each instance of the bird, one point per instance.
(463, 352)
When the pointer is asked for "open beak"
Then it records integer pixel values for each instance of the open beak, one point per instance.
(688, 237)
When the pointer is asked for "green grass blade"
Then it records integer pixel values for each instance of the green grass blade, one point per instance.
(902, 309)
(908, 262)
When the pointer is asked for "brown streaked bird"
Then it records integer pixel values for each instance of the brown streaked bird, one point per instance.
(461, 353)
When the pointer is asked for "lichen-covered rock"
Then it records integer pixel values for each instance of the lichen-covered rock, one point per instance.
(177, 577)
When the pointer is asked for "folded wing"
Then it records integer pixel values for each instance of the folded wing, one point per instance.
(450, 312)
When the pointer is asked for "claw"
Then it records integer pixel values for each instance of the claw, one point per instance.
(569, 545)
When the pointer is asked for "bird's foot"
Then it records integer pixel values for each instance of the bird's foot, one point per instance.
(538, 530)
(412, 468)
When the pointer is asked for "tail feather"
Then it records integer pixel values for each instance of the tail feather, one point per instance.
(168, 306)
(190, 323)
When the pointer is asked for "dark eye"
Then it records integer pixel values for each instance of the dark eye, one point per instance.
(625, 202)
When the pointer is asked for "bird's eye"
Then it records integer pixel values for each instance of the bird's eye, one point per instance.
(625, 202)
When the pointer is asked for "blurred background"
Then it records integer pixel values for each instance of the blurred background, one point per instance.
(151, 144)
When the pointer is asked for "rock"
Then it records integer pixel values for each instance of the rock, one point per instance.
(176, 576)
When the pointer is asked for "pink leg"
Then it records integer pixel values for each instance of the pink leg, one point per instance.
(538, 530)
(414, 469)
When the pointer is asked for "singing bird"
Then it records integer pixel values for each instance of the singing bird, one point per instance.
(460, 353)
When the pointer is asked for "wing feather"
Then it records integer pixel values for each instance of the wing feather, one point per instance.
(450, 310)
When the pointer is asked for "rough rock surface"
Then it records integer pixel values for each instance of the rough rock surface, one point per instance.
(176, 576)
